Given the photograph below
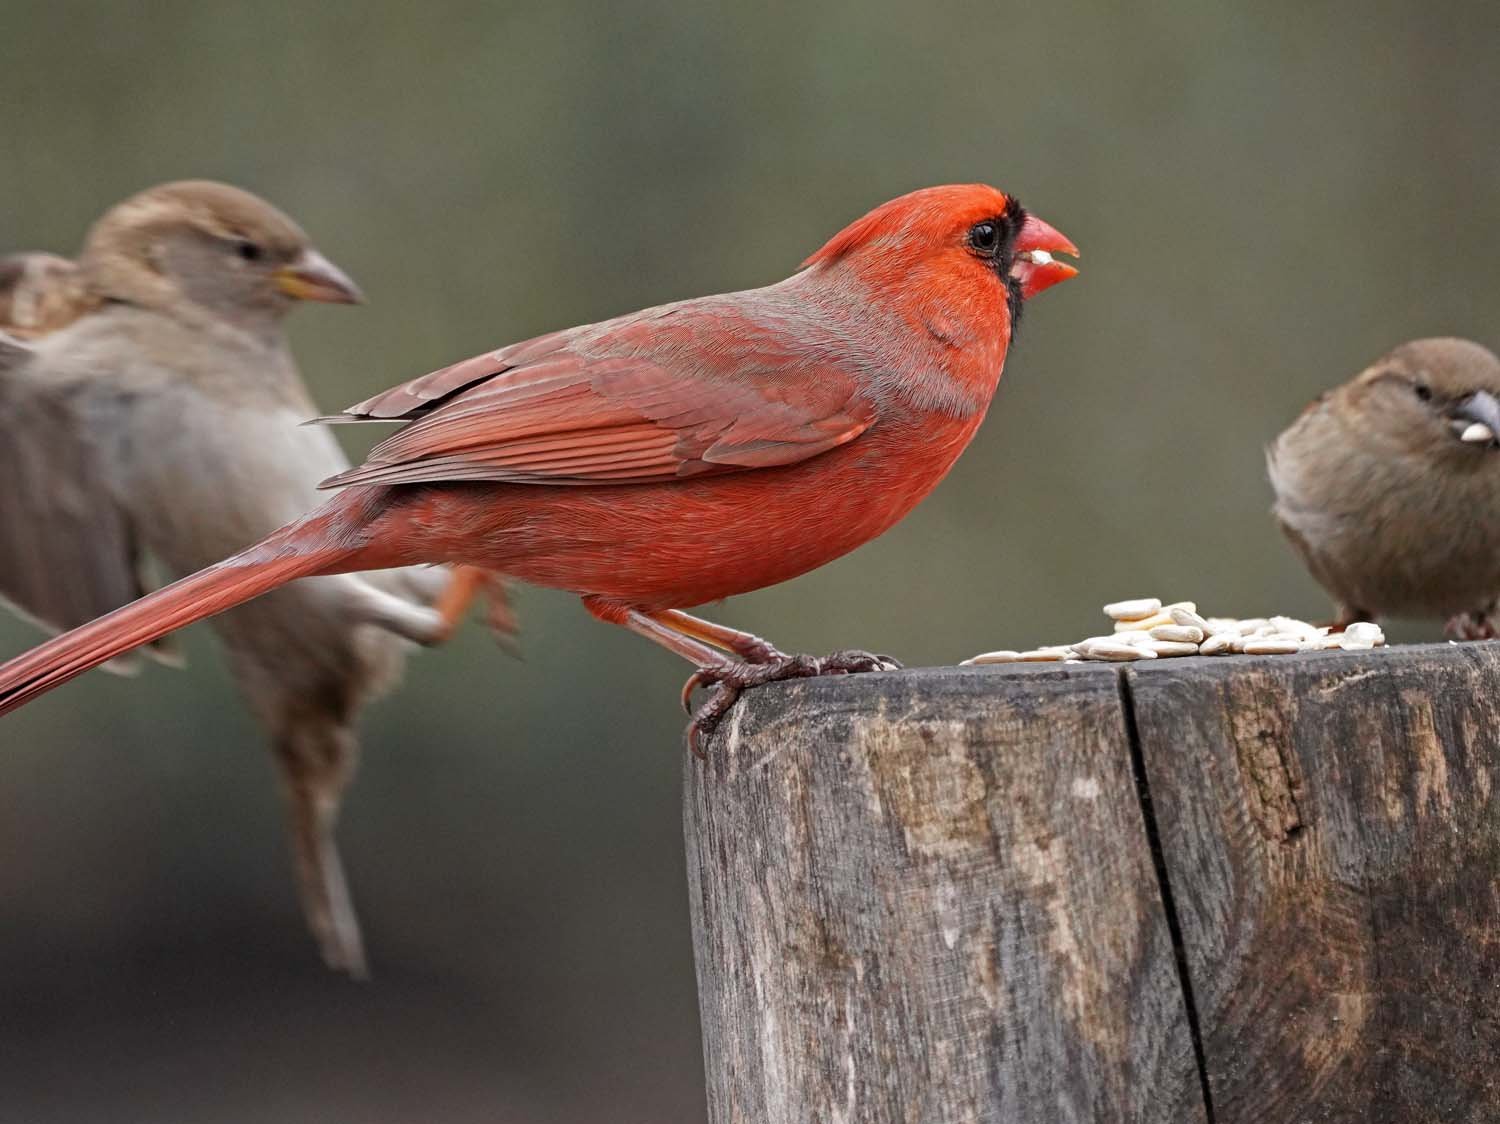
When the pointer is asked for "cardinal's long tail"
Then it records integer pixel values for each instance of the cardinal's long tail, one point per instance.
(256, 570)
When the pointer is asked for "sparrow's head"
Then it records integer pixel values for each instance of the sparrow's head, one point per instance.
(968, 242)
(212, 246)
(39, 293)
(1433, 397)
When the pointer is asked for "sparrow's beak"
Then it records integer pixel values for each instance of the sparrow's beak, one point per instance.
(312, 277)
(1476, 419)
(1034, 265)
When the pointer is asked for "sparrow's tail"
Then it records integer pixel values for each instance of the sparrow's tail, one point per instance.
(255, 570)
(318, 753)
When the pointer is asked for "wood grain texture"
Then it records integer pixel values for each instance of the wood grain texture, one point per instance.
(929, 898)
(1331, 835)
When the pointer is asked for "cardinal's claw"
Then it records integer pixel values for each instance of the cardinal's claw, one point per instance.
(730, 680)
(853, 662)
(700, 678)
(706, 720)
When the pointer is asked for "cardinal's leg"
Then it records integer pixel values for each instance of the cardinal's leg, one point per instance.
(746, 645)
(686, 635)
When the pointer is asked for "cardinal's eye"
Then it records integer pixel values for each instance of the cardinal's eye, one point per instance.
(985, 237)
(1422, 391)
(248, 250)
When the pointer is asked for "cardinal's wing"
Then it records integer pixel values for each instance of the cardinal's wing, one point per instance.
(688, 389)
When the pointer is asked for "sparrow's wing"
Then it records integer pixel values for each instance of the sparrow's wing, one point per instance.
(68, 552)
(39, 293)
(700, 387)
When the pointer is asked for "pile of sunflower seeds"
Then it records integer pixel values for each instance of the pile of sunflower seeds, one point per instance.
(1145, 629)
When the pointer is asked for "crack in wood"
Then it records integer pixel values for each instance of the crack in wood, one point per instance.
(1164, 885)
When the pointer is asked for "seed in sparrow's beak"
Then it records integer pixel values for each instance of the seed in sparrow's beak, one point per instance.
(1477, 433)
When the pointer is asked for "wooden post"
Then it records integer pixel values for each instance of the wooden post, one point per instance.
(1216, 890)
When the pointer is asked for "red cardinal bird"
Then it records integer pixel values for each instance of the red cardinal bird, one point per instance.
(670, 457)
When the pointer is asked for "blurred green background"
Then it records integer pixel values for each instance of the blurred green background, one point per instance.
(1265, 202)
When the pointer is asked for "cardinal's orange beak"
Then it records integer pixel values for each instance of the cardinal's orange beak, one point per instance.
(1035, 266)
(312, 277)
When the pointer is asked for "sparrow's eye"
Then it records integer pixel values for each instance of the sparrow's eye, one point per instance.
(1422, 391)
(985, 237)
(248, 250)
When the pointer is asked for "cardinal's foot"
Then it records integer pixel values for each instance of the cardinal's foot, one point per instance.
(730, 678)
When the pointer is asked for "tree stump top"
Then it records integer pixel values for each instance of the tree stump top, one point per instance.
(1215, 889)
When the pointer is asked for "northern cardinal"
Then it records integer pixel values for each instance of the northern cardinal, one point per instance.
(1386, 487)
(159, 413)
(673, 456)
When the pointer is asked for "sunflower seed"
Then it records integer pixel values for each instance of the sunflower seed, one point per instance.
(1177, 633)
(1477, 434)
(1112, 650)
(1362, 634)
(1173, 647)
(1133, 610)
(1292, 626)
(1219, 644)
(1270, 646)
(1188, 618)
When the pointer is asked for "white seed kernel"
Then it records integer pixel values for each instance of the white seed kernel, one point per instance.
(1133, 610)
(1046, 655)
(1292, 626)
(1268, 646)
(1107, 650)
(1477, 434)
(1189, 618)
(1005, 655)
(1177, 633)
(1173, 647)
(1219, 644)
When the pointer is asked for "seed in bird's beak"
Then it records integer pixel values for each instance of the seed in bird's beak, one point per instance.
(1477, 433)
(1035, 264)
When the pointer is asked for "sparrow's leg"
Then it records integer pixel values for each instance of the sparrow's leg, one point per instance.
(728, 677)
(435, 625)
(1477, 624)
(1346, 615)
(371, 605)
(464, 584)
